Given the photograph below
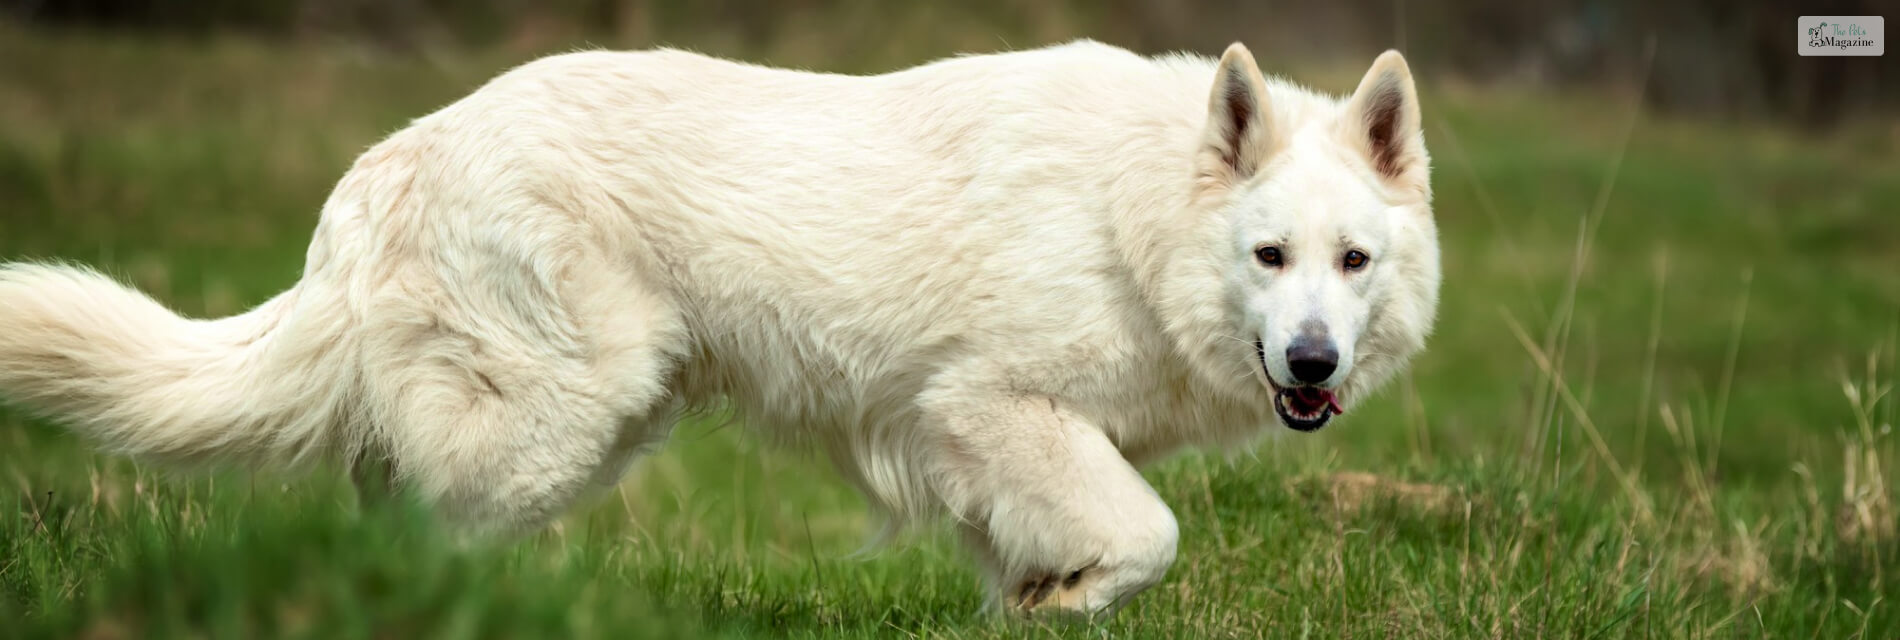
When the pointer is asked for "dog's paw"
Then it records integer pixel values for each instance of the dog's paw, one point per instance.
(1057, 593)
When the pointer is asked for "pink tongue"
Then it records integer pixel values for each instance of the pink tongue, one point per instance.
(1313, 397)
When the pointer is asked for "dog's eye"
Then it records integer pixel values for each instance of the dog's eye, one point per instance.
(1356, 259)
(1268, 255)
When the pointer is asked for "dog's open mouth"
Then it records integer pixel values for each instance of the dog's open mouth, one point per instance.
(1306, 408)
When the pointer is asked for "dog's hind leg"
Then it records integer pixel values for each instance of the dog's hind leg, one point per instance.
(503, 402)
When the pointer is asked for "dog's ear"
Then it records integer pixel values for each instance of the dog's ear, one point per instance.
(1383, 119)
(1238, 137)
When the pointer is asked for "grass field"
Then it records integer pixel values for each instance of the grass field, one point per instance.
(1655, 405)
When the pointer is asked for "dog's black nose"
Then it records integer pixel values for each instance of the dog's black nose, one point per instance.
(1312, 359)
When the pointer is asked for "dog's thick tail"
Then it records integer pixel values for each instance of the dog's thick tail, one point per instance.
(268, 385)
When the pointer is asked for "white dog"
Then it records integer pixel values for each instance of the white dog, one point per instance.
(987, 286)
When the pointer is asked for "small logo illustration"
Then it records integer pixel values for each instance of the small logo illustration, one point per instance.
(1842, 35)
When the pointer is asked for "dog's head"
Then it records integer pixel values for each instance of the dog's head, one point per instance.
(1332, 258)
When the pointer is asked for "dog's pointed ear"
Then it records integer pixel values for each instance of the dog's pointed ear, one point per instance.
(1383, 118)
(1238, 136)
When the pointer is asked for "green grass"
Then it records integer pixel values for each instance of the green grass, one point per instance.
(1649, 411)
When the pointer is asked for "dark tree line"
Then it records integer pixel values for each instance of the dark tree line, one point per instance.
(1704, 56)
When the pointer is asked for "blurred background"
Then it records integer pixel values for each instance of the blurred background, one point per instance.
(1712, 57)
(1655, 402)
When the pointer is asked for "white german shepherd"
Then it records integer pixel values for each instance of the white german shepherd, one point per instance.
(987, 286)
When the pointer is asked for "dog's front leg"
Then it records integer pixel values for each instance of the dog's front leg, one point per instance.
(1060, 520)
